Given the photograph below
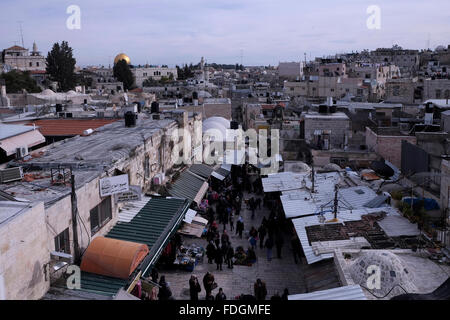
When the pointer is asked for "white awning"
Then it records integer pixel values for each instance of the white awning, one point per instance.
(28, 139)
(353, 292)
(217, 176)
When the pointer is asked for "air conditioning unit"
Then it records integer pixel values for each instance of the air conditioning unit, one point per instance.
(21, 152)
(11, 174)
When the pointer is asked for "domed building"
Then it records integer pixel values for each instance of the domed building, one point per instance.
(122, 56)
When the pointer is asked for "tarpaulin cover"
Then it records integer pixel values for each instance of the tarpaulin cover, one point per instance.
(113, 258)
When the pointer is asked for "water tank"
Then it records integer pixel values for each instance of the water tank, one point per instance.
(130, 119)
(59, 108)
(155, 107)
(332, 109)
(234, 125)
(195, 95)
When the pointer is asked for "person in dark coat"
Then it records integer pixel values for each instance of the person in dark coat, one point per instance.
(155, 275)
(208, 282)
(260, 290)
(239, 228)
(164, 291)
(219, 258)
(210, 252)
(262, 234)
(194, 288)
(279, 241)
(220, 296)
(269, 246)
(229, 256)
(225, 237)
(285, 294)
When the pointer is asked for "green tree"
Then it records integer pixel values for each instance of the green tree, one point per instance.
(61, 66)
(122, 72)
(16, 81)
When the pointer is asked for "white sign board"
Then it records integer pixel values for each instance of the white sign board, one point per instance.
(113, 185)
(134, 194)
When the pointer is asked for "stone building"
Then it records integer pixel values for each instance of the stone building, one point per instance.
(156, 73)
(21, 59)
(142, 152)
(387, 142)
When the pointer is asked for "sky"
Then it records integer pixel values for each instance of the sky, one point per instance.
(256, 32)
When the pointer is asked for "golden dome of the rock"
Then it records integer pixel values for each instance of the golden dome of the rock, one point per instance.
(122, 56)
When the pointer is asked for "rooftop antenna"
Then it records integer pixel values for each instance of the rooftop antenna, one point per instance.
(242, 57)
(21, 33)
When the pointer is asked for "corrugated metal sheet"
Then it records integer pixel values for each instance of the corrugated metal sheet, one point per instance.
(201, 170)
(377, 201)
(222, 172)
(189, 186)
(11, 130)
(69, 127)
(300, 225)
(353, 292)
(131, 209)
(283, 181)
(152, 226)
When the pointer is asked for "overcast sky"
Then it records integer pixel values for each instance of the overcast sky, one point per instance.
(266, 31)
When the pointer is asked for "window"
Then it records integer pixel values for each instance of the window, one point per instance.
(62, 242)
(37, 64)
(31, 64)
(100, 215)
(438, 94)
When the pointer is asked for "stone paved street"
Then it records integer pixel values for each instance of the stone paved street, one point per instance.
(278, 273)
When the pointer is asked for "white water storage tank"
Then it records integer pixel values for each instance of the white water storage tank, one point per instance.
(88, 132)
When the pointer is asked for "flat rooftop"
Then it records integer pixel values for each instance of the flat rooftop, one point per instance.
(326, 116)
(9, 209)
(106, 146)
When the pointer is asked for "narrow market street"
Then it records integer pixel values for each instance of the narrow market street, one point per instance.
(277, 273)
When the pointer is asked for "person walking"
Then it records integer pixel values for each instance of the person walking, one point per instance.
(194, 288)
(285, 294)
(210, 252)
(253, 242)
(240, 227)
(155, 275)
(229, 257)
(164, 291)
(220, 296)
(260, 290)
(232, 221)
(225, 237)
(262, 234)
(219, 258)
(208, 282)
(269, 246)
(279, 241)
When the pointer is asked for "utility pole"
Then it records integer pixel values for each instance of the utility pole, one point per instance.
(76, 246)
(335, 207)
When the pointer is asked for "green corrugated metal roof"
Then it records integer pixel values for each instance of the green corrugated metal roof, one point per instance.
(150, 226)
(201, 170)
(186, 186)
(100, 284)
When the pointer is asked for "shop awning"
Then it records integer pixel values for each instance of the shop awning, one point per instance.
(113, 258)
(153, 226)
(189, 186)
(28, 139)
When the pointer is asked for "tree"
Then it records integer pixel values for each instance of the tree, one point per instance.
(122, 72)
(16, 81)
(61, 66)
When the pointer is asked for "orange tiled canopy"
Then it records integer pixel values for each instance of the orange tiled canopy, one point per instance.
(113, 258)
